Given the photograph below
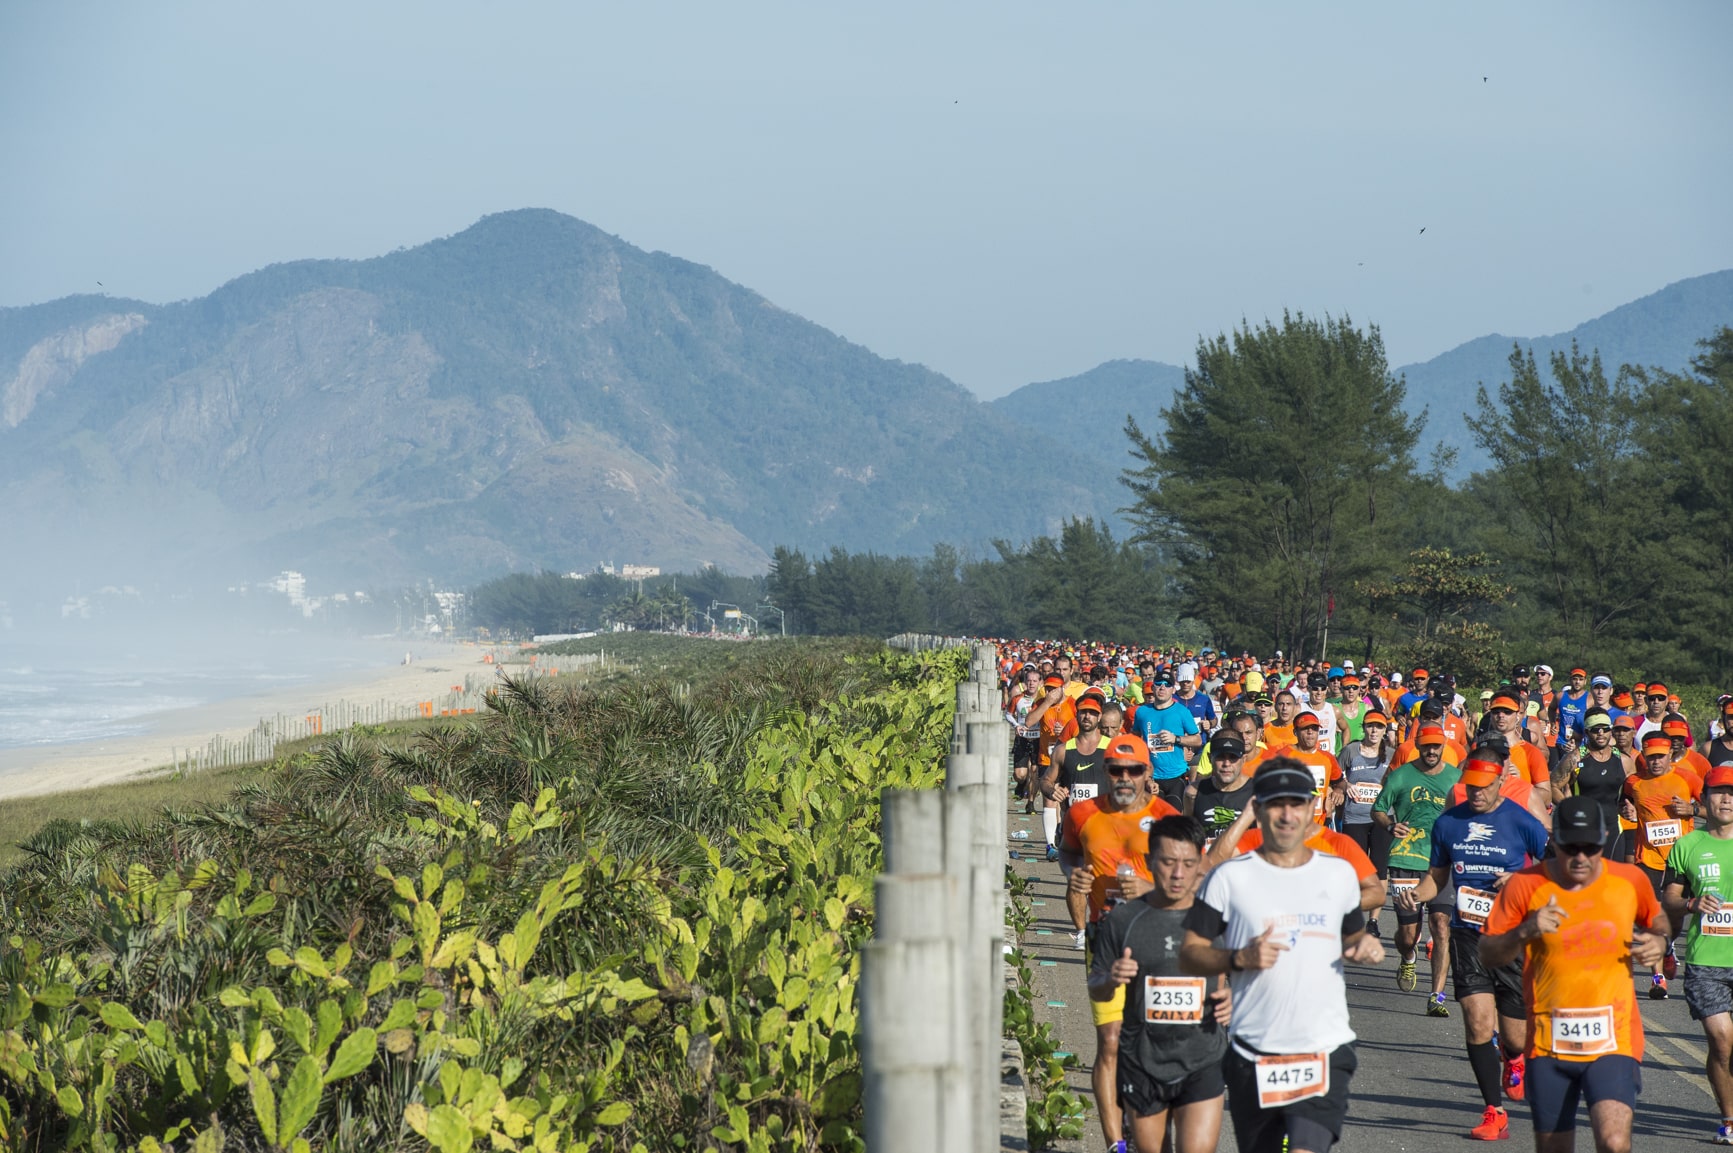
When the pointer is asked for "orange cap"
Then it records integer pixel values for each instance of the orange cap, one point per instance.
(1373, 717)
(1657, 743)
(1504, 702)
(1477, 774)
(1306, 720)
(1676, 729)
(1430, 735)
(1127, 747)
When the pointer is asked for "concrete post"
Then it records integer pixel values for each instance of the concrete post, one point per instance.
(916, 1085)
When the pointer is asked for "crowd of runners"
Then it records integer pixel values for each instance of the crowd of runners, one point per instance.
(1232, 830)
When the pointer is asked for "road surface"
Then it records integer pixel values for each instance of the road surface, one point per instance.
(1413, 1091)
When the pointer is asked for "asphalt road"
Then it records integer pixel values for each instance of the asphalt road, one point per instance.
(1413, 1091)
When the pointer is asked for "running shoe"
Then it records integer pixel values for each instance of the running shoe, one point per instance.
(1081, 941)
(1670, 965)
(1494, 1125)
(1658, 988)
(1513, 1071)
(1723, 1136)
(1429, 948)
(1406, 979)
(1435, 1006)
(1052, 852)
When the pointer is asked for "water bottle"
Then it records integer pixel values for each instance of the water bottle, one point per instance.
(1020, 835)
(1125, 872)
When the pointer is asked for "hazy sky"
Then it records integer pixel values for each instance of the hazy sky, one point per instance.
(1004, 192)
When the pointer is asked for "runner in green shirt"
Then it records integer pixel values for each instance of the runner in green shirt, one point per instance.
(1411, 799)
(1699, 872)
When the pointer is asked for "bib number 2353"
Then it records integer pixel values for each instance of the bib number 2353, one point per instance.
(1283, 1080)
(1173, 1000)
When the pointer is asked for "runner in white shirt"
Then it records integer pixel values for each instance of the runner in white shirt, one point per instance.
(1289, 917)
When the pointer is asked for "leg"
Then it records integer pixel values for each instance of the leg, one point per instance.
(1554, 1089)
(1197, 1127)
(1612, 1125)
(1440, 950)
(1050, 821)
(1479, 1017)
(1077, 904)
(1512, 1035)
(1150, 1132)
(1105, 1080)
(1718, 1031)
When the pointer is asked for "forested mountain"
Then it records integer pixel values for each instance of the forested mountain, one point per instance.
(529, 392)
(1659, 330)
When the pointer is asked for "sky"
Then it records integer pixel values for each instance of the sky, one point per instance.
(1004, 192)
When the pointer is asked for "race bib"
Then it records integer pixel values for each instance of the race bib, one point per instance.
(1716, 924)
(1173, 1000)
(1403, 884)
(1660, 834)
(1082, 792)
(1283, 1080)
(1583, 1032)
(1364, 793)
(1474, 906)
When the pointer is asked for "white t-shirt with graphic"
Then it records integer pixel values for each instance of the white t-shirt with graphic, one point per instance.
(1300, 1004)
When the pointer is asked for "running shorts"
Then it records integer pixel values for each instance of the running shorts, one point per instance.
(1110, 1011)
(1708, 991)
(1444, 902)
(1554, 1088)
(1472, 976)
(1143, 1096)
(1315, 1123)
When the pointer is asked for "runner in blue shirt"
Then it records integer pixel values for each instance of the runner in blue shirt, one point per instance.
(1413, 693)
(1569, 709)
(1199, 703)
(1168, 728)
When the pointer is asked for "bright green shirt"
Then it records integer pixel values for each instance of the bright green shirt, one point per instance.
(1414, 799)
(1705, 864)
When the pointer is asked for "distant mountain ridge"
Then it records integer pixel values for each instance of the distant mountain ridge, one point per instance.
(1658, 330)
(528, 392)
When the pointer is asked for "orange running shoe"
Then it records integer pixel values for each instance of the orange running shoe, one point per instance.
(1494, 1125)
(1513, 1071)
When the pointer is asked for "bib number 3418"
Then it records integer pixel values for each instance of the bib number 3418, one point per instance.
(1285, 1079)
(1583, 1032)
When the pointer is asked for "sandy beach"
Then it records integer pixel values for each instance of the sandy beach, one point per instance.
(81, 765)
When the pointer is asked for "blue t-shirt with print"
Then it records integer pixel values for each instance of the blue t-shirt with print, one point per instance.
(1572, 708)
(1476, 847)
(1201, 707)
(1176, 719)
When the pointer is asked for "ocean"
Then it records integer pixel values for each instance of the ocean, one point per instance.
(53, 694)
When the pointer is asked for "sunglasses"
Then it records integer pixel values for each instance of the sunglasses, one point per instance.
(1125, 771)
(1580, 850)
(1161, 684)
(1601, 729)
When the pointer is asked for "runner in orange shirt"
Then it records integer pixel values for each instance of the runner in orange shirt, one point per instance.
(1326, 770)
(1662, 800)
(1530, 759)
(1687, 762)
(1578, 922)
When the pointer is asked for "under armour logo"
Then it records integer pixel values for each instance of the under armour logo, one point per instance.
(1169, 941)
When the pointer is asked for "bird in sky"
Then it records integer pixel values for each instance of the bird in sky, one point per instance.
(1423, 232)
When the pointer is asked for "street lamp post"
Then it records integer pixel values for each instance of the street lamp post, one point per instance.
(781, 617)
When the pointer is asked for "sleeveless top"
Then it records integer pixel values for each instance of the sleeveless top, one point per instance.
(1604, 783)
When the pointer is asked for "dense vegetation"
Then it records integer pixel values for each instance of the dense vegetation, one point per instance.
(525, 604)
(623, 917)
(1279, 497)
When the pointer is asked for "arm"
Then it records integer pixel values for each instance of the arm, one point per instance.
(1226, 846)
(1429, 887)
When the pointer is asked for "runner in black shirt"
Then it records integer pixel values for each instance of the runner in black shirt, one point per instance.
(1600, 775)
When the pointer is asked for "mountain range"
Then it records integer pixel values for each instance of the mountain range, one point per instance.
(535, 393)
(1659, 330)
(528, 393)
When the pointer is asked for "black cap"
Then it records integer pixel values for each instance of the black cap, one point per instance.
(1494, 744)
(1519, 671)
(1317, 681)
(1282, 778)
(1432, 707)
(1226, 747)
(1578, 821)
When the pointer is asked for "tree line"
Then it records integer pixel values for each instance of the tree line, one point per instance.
(1277, 504)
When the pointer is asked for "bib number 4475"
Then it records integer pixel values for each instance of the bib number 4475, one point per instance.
(1287, 1078)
